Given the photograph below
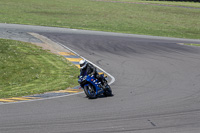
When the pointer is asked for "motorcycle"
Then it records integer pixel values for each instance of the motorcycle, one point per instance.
(93, 87)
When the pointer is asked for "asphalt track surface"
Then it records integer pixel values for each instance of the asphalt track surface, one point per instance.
(156, 88)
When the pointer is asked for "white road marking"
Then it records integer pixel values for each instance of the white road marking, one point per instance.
(112, 78)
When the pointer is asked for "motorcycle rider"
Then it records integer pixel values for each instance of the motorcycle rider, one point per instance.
(87, 68)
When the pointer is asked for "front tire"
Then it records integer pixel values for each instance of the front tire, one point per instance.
(90, 91)
(108, 91)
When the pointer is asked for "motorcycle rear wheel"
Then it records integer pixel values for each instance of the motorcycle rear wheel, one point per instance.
(90, 91)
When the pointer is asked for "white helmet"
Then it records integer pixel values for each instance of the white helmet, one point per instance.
(83, 64)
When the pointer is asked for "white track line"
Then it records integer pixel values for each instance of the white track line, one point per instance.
(42, 98)
(112, 78)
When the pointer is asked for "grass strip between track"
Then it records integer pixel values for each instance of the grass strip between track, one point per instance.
(143, 19)
(190, 44)
(27, 69)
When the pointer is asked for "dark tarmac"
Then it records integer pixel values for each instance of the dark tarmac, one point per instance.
(156, 88)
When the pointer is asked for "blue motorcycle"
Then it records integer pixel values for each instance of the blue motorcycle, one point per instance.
(93, 87)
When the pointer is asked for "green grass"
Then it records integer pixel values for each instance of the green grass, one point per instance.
(27, 69)
(192, 44)
(104, 16)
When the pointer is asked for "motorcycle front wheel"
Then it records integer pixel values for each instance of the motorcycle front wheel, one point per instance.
(90, 91)
(108, 91)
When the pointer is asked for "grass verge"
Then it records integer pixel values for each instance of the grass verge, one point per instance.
(192, 44)
(105, 16)
(27, 69)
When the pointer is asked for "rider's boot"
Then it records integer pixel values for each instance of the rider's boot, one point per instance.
(104, 84)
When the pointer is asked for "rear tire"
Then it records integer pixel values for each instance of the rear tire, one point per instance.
(90, 91)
